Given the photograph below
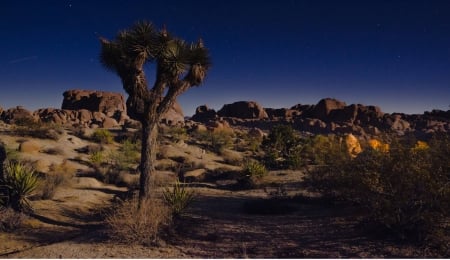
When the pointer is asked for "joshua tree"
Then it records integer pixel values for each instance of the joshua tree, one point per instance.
(179, 66)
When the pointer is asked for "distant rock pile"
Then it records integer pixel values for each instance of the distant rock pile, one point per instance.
(87, 109)
(327, 116)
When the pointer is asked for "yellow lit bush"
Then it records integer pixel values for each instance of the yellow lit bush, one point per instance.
(404, 190)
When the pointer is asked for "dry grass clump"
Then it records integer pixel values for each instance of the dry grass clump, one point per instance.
(38, 129)
(232, 157)
(132, 225)
(58, 175)
(10, 219)
(102, 136)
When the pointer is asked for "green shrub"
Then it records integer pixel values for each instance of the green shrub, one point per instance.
(284, 148)
(252, 172)
(216, 141)
(96, 158)
(126, 157)
(102, 136)
(405, 191)
(178, 133)
(21, 182)
(178, 198)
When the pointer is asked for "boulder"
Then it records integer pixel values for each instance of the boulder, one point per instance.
(29, 146)
(52, 115)
(84, 115)
(325, 106)
(219, 126)
(18, 114)
(194, 175)
(174, 115)
(243, 110)
(353, 145)
(204, 114)
(109, 122)
(369, 115)
(99, 101)
(256, 133)
(281, 113)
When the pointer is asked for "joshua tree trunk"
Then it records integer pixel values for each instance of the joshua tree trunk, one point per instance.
(148, 156)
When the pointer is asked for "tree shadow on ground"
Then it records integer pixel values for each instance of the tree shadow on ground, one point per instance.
(219, 227)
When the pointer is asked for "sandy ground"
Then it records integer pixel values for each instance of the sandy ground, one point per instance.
(217, 225)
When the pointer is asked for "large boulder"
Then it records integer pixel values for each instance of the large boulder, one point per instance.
(204, 114)
(174, 115)
(244, 110)
(325, 106)
(108, 103)
(29, 146)
(52, 115)
(18, 114)
(281, 113)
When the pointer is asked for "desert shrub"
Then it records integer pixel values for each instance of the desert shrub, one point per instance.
(177, 133)
(49, 185)
(178, 198)
(102, 136)
(96, 158)
(216, 141)
(13, 155)
(130, 224)
(126, 157)
(284, 148)
(58, 175)
(232, 157)
(20, 181)
(252, 172)
(10, 219)
(404, 190)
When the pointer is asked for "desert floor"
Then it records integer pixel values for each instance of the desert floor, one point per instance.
(220, 223)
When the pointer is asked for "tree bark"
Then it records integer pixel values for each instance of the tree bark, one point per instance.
(148, 156)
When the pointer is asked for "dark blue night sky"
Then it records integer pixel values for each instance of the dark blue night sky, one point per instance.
(395, 54)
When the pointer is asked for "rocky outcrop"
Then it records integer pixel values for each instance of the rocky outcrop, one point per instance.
(327, 116)
(243, 110)
(97, 109)
(17, 115)
(325, 106)
(108, 103)
(174, 115)
(204, 114)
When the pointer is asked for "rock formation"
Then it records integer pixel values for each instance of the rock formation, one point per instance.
(204, 114)
(327, 116)
(97, 109)
(243, 110)
(108, 103)
(17, 115)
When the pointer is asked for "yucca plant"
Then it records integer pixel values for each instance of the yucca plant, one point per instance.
(21, 182)
(178, 198)
(251, 173)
